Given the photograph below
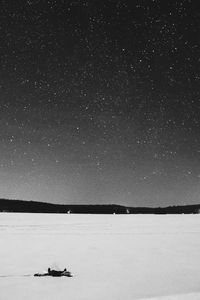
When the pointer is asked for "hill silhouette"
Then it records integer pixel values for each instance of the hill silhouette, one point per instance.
(22, 206)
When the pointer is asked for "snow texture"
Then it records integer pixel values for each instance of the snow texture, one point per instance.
(111, 256)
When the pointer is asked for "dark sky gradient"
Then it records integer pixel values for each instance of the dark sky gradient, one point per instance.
(100, 101)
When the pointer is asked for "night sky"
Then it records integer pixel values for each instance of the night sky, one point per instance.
(100, 101)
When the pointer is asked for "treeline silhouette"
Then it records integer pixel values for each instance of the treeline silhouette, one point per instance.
(42, 207)
(22, 206)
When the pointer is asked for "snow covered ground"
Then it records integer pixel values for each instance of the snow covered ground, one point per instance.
(112, 257)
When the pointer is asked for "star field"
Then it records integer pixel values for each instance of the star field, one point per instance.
(100, 101)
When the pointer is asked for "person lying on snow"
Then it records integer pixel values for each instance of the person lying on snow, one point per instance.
(55, 273)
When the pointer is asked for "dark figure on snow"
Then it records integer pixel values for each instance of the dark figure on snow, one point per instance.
(55, 273)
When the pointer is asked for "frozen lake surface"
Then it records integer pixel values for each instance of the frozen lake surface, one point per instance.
(112, 257)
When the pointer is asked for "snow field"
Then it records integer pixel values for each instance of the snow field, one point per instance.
(111, 256)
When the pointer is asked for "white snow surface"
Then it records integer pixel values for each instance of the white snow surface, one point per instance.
(112, 257)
